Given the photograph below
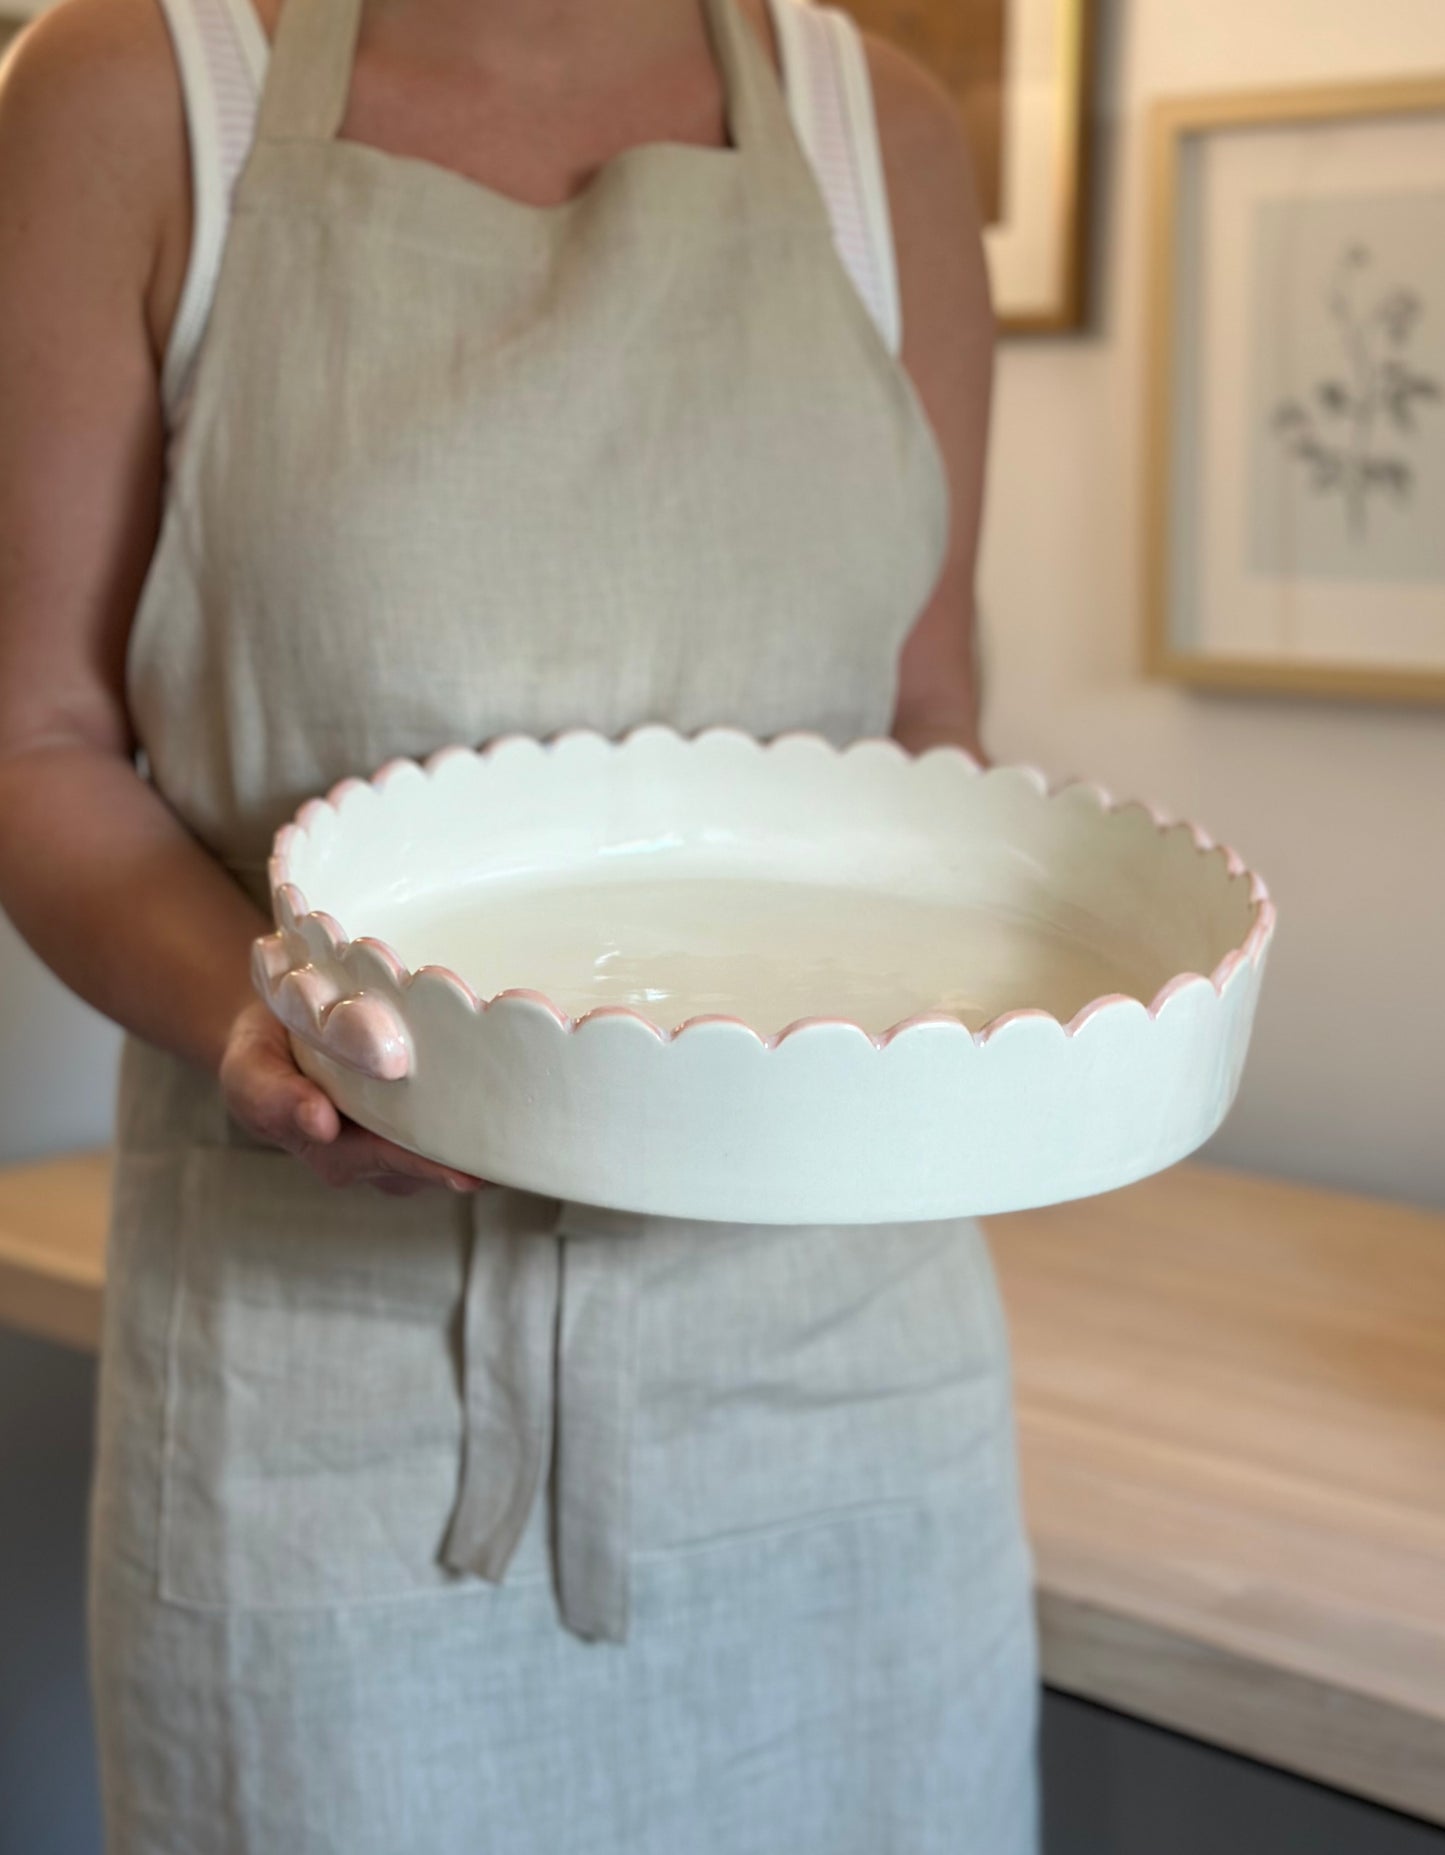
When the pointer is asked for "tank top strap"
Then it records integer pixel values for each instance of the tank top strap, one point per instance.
(308, 77)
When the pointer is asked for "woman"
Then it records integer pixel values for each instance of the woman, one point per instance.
(533, 390)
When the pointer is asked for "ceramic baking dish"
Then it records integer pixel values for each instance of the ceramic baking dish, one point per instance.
(712, 978)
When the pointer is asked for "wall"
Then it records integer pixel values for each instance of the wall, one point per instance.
(1341, 806)
(57, 1060)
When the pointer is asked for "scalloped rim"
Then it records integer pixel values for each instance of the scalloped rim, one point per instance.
(288, 898)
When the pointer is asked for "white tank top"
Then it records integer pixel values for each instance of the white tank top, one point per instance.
(221, 51)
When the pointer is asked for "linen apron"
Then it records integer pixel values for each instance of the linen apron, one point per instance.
(461, 1525)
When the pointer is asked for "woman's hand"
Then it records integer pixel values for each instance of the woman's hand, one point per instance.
(271, 1098)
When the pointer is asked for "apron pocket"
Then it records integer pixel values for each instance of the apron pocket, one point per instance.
(313, 1416)
(790, 1373)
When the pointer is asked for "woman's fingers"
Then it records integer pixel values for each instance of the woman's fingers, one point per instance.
(357, 1153)
(270, 1097)
(265, 1090)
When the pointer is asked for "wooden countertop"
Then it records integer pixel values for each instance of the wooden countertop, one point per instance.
(52, 1247)
(1231, 1409)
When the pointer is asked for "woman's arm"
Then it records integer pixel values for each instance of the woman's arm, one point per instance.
(948, 344)
(95, 870)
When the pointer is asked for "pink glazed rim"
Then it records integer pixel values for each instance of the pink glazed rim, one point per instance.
(288, 899)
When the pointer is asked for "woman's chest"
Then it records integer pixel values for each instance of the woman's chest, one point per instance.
(640, 440)
(657, 468)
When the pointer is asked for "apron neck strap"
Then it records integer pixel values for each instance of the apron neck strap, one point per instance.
(308, 77)
(756, 102)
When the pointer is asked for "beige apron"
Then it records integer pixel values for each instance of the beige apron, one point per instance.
(503, 1524)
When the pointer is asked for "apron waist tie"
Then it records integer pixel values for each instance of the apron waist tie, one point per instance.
(549, 1324)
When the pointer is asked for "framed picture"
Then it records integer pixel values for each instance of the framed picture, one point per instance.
(1295, 491)
(1018, 70)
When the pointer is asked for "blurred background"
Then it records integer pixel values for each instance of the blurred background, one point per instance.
(1336, 793)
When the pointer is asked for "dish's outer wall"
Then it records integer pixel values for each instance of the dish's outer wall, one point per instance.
(826, 1127)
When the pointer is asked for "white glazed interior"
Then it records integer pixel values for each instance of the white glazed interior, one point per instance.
(771, 885)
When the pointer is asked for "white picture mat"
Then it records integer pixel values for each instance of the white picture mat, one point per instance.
(1028, 249)
(1220, 606)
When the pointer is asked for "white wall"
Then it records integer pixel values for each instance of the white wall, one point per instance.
(1341, 806)
(57, 1060)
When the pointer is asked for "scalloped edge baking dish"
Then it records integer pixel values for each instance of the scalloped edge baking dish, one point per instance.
(818, 1121)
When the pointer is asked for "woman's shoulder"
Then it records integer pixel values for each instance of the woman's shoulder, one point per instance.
(932, 193)
(101, 63)
(920, 127)
(92, 85)
(93, 151)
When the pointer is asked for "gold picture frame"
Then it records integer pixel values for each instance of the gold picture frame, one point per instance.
(1185, 299)
(1019, 71)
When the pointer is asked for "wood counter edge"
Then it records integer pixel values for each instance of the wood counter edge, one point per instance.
(1162, 1675)
(50, 1306)
(54, 1214)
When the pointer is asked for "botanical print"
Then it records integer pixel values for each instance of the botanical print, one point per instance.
(1348, 467)
(1372, 400)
